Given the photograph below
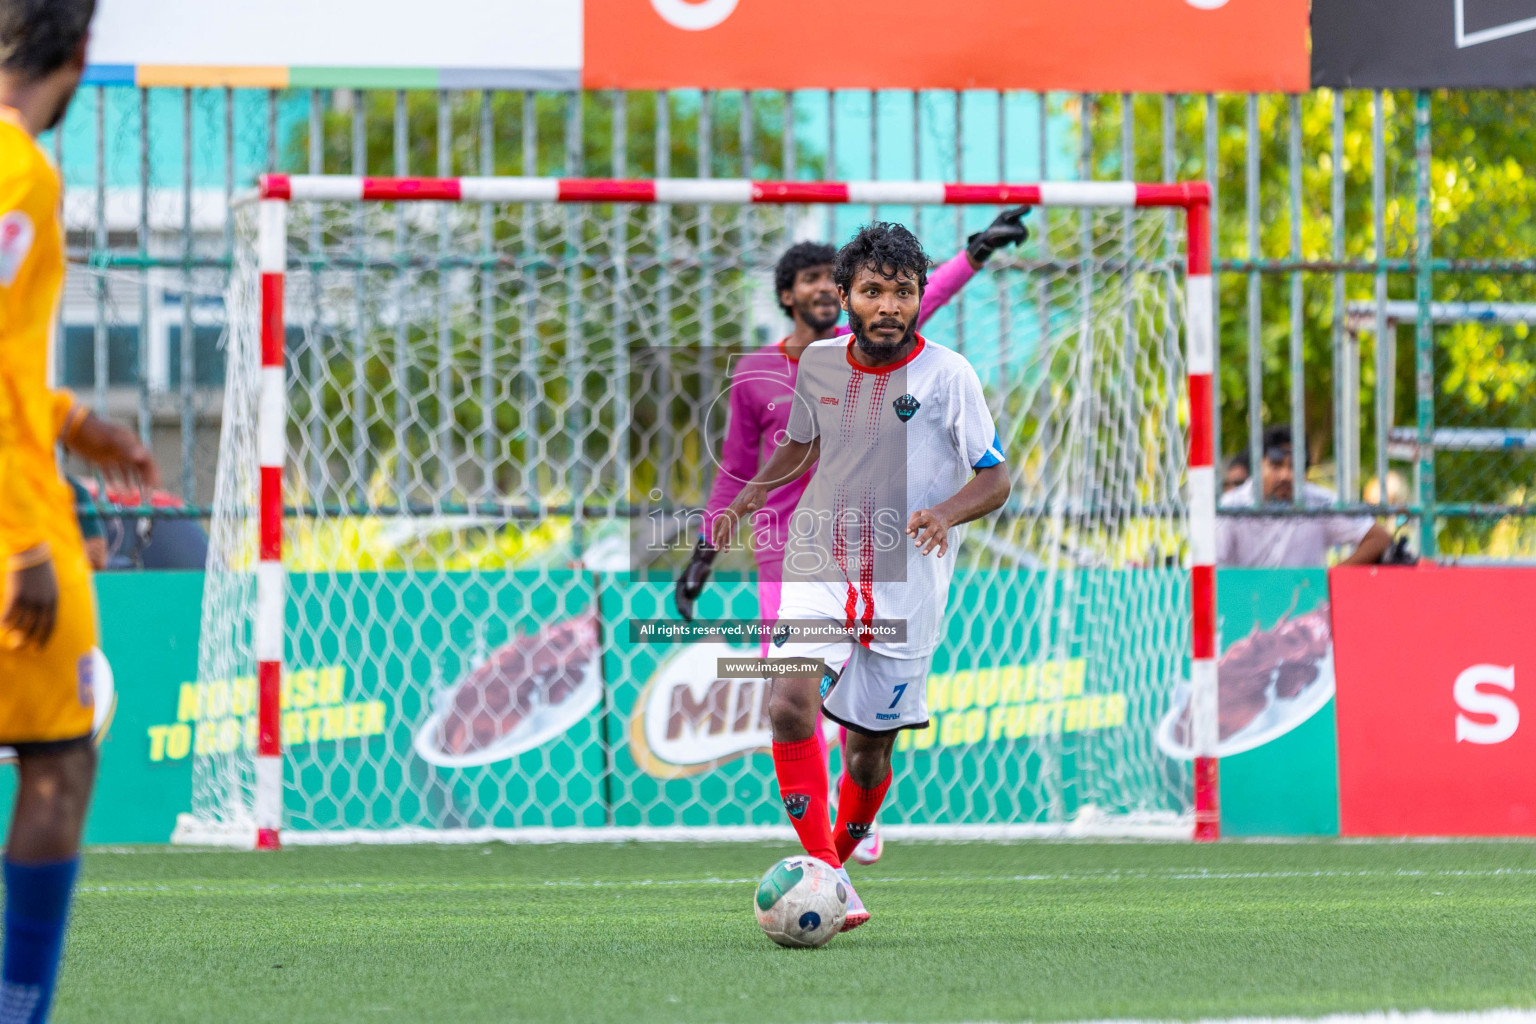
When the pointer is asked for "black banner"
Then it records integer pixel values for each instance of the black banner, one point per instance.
(1412, 44)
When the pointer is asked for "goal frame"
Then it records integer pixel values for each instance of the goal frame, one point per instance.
(276, 192)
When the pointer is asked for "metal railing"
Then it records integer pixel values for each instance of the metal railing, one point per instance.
(1327, 207)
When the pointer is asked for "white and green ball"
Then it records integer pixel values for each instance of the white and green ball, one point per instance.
(801, 902)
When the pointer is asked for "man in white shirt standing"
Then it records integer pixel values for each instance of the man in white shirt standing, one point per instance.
(1291, 540)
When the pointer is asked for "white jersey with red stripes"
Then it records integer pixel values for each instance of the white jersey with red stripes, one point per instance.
(894, 440)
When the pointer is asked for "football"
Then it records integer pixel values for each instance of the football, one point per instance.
(801, 902)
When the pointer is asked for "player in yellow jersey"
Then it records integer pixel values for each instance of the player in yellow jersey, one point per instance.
(47, 613)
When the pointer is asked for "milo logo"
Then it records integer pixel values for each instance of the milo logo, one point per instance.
(687, 720)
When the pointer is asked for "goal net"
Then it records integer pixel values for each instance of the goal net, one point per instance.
(468, 428)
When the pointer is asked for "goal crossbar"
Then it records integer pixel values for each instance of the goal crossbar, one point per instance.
(275, 192)
(727, 191)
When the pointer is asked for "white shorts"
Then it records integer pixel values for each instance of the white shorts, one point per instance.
(869, 692)
(863, 690)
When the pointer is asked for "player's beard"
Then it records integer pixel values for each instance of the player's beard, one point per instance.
(877, 349)
(817, 321)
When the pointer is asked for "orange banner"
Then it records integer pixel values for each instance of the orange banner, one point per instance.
(1078, 45)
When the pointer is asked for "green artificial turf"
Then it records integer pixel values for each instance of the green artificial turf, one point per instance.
(665, 932)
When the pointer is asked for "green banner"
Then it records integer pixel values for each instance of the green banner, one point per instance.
(700, 757)
(416, 701)
(1279, 775)
(1028, 721)
(390, 722)
(368, 722)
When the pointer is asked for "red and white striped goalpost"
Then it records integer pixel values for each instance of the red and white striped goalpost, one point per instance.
(276, 191)
(271, 580)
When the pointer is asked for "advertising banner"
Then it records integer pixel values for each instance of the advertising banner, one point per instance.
(1424, 44)
(1439, 666)
(1114, 45)
(1028, 736)
(464, 44)
(471, 730)
(689, 748)
(477, 694)
(1096, 45)
(466, 730)
(388, 678)
(1276, 678)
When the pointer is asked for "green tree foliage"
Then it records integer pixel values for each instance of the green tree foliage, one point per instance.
(1482, 194)
(496, 339)
(591, 130)
(1480, 210)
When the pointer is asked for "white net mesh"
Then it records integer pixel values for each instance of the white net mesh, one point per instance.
(486, 403)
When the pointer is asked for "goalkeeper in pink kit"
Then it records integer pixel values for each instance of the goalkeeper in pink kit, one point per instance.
(761, 391)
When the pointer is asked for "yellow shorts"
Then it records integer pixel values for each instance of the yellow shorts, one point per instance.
(47, 695)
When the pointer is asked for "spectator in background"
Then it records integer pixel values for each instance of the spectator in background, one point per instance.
(1238, 471)
(1294, 540)
(90, 526)
(160, 543)
(115, 542)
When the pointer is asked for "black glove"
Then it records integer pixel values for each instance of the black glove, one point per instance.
(1398, 553)
(691, 584)
(1005, 230)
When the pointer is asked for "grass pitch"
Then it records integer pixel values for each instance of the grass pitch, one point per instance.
(961, 932)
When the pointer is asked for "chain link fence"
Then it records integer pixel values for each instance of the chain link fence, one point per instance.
(1333, 210)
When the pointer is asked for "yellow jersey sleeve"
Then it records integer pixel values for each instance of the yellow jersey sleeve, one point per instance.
(67, 413)
(33, 497)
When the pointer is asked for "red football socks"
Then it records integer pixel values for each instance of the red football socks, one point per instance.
(802, 770)
(856, 809)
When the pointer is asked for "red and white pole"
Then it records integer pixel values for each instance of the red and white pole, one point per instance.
(1194, 197)
(1200, 357)
(271, 581)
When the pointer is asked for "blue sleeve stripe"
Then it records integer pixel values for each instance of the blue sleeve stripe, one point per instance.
(993, 455)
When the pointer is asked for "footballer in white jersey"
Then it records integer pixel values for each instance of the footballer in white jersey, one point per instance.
(895, 439)
(905, 452)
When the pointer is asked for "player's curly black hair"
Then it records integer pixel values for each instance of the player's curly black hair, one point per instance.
(885, 248)
(37, 37)
(798, 257)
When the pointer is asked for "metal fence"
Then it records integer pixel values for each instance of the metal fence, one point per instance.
(1327, 206)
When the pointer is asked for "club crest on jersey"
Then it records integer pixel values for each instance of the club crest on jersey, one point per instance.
(795, 804)
(16, 234)
(85, 679)
(906, 407)
(781, 636)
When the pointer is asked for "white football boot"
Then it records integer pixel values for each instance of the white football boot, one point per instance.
(857, 914)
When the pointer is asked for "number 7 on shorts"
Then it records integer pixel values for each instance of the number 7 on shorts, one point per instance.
(900, 689)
